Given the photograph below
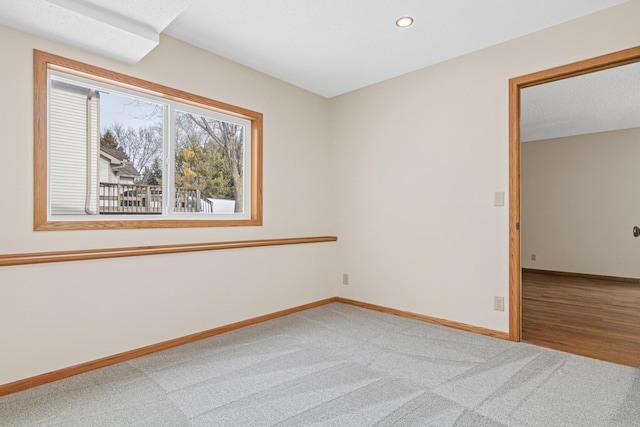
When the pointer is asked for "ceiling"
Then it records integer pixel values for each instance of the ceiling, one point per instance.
(335, 46)
(124, 30)
(328, 47)
(596, 102)
(331, 47)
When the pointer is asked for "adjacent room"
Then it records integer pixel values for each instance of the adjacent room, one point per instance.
(579, 240)
(237, 212)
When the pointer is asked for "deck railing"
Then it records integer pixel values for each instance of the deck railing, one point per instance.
(147, 199)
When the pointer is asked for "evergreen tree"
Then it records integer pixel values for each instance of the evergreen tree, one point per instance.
(152, 175)
(108, 140)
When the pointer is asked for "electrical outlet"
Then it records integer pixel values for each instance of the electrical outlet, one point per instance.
(533, 257)
(345, 279)
(498, 303)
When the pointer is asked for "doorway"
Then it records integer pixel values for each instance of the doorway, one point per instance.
(593, 65)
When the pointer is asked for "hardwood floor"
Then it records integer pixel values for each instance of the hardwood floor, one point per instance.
(590, 317)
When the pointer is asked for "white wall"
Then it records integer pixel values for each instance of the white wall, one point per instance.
(580, 201)
(436, 142)
(57, 315)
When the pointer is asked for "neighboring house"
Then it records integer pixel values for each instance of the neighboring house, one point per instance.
(74, 141)
(116, 168)
(118, 190)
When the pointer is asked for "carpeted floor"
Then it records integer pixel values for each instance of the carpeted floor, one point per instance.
(339, 365)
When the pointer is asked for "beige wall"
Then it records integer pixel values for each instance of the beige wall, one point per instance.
(57, 315)
(418, 159)
(403, 172)
(580, 201)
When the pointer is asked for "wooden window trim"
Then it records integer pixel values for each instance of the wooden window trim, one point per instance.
(44, 61)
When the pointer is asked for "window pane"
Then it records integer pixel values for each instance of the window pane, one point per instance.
(105, 152)
(115, 151)
(130, 155)
(209, 161)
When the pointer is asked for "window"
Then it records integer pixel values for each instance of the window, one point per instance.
(114, 151)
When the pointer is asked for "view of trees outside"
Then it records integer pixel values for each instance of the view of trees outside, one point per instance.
(209, 156)
(208, 152)
(143, 147)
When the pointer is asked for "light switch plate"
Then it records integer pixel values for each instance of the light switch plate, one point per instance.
(345, 279)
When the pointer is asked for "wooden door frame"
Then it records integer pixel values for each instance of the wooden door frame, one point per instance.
(603, 62)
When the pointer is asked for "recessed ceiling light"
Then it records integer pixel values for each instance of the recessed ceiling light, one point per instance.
(404, 22)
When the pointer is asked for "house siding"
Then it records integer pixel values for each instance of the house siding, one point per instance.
(68, 166)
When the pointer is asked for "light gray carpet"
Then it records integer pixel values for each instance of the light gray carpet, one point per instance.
(340, 365)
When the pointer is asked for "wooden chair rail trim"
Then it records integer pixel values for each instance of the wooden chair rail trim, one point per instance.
(59, 374)
(86, 254)
(583, 275)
